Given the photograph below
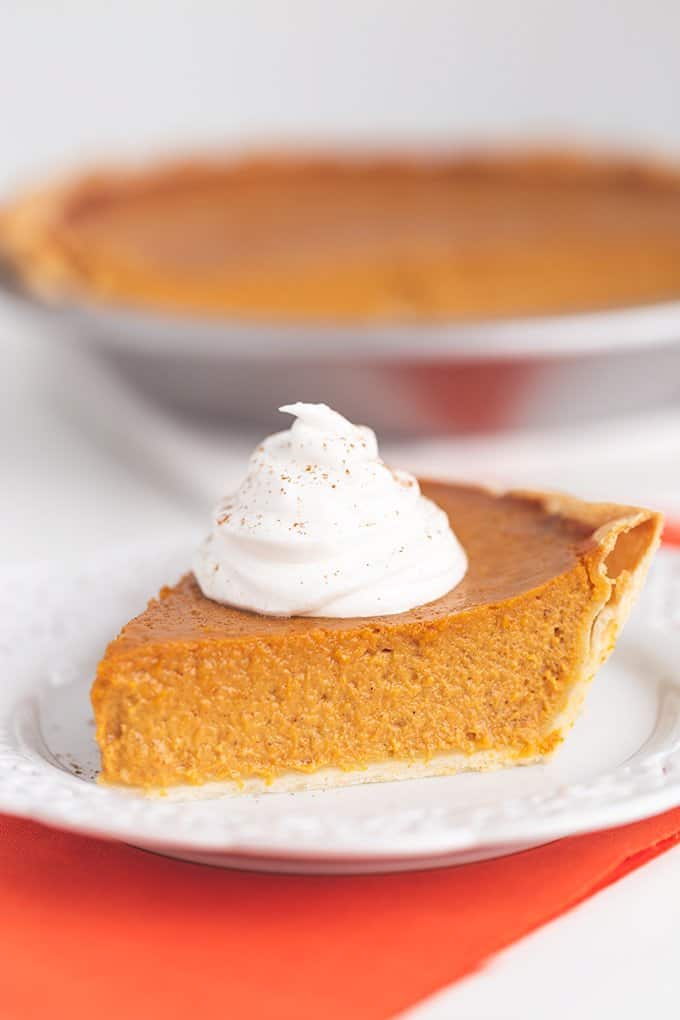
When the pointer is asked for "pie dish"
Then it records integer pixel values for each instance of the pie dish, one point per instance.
(349, 240)
(492, 674)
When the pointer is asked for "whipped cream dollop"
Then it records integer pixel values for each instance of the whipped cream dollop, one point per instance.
(321, 526)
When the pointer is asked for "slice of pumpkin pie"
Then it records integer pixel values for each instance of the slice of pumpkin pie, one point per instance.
(262, 667)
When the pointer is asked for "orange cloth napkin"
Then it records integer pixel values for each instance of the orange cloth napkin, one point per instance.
(95, 928)
(100, 929)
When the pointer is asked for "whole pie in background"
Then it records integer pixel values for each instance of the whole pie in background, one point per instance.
(356, 239)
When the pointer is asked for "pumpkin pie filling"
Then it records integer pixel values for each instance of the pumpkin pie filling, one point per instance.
(352, 239)
(491, 674)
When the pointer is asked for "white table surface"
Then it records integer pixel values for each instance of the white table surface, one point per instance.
(73, 482)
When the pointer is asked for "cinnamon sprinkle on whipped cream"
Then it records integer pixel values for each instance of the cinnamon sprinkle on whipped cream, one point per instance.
(321, 526)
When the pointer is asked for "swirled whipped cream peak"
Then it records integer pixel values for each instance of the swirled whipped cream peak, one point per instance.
(321, 526)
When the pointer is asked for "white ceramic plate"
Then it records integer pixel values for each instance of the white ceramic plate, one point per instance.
(621, 763)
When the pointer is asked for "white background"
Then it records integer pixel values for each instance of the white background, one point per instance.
(82, 79)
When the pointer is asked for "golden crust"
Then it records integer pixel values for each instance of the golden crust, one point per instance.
(626, 540)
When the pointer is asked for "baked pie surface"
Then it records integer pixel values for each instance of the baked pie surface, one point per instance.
(346, 239)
